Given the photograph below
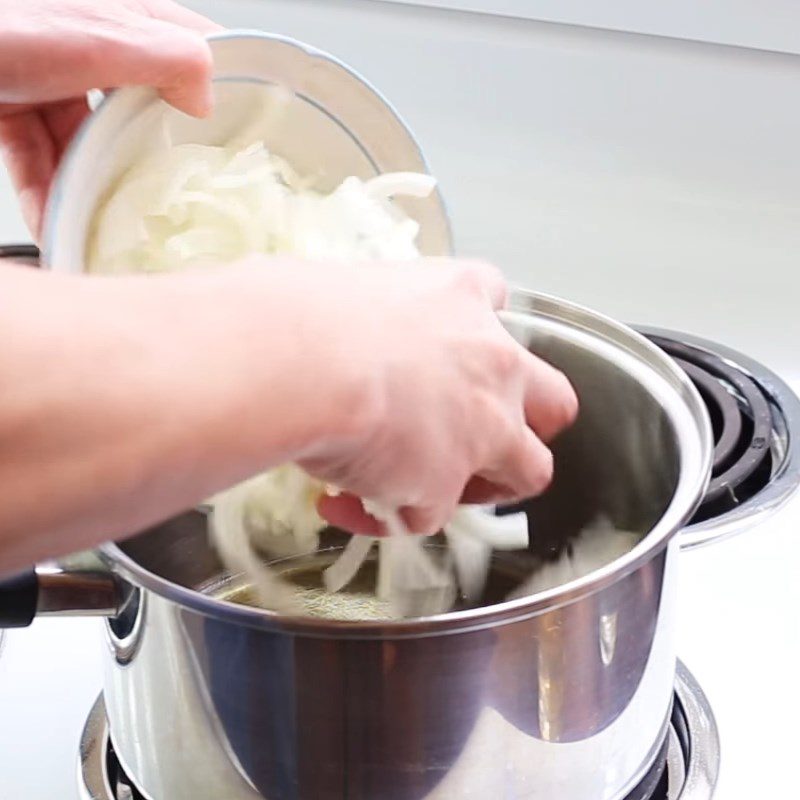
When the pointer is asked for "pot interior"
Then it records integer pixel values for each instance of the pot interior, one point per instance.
(621, 461)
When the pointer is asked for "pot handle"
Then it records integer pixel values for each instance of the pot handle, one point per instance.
(48, 591)
(19, 597)
(21, 253)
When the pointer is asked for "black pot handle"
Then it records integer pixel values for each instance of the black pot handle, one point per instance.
(22, 253)
(55, 591)
(19, 599)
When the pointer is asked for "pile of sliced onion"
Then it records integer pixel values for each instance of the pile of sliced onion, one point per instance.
(192, 204)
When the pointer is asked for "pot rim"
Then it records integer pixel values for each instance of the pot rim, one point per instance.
(689, 418)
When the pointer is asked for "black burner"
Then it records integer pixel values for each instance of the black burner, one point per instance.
(655, 784)
(120, 783)
(742, 422)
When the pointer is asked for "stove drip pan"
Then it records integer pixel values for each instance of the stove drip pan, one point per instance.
(755, 417)
(686, 768)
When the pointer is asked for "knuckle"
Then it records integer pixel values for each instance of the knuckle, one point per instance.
(200, 62)
(500, 366)
(534, 467)
(485, 269)
(193, 62)
(469, 279)
(505, 359)
(566, 405)
(541, 475)
(426, 520)
(479, 277)
(186, 60)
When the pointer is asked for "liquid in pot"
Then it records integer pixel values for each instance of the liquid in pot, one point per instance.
(357, 602)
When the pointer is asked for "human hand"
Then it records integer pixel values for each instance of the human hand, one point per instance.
(53, 51)
(452, 409)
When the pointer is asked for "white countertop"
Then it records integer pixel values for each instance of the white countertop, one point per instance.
(50, 674)
(655, 180)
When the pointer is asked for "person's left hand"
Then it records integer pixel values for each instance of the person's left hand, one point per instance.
(52, 52)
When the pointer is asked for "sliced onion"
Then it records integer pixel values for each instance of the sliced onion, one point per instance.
(344, 569)
(247, 200)
(229, 534)
(471, 558)
(507, 532)
(409, 184)
(598, 544)
(472, 534)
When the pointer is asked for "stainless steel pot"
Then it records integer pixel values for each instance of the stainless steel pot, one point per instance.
(565, 694)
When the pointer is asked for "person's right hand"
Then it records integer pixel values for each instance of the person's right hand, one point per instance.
(452, 409)
(393, 381)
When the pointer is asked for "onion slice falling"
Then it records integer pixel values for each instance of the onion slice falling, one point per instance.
(345, 568)
(409, 184)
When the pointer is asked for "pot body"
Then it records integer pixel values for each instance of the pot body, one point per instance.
(564, 694)
(561, 693)
(570, 703)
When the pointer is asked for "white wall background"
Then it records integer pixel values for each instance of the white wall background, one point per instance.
(764, 24)
(653, 178)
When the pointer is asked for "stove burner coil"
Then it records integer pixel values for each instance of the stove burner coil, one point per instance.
(756, 422)
(742, 422)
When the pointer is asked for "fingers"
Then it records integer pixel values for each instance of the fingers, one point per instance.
(30, 157)
(164, 47)
(493, 412)
(175, 61)
(167, 52)
(525, 470)
(346, 512)
(32, 143)
(427, 521)
(481, 491)
(63, 120)
(551, 404)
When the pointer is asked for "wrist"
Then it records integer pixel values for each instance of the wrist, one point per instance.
(254, 367)
(324, 358)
